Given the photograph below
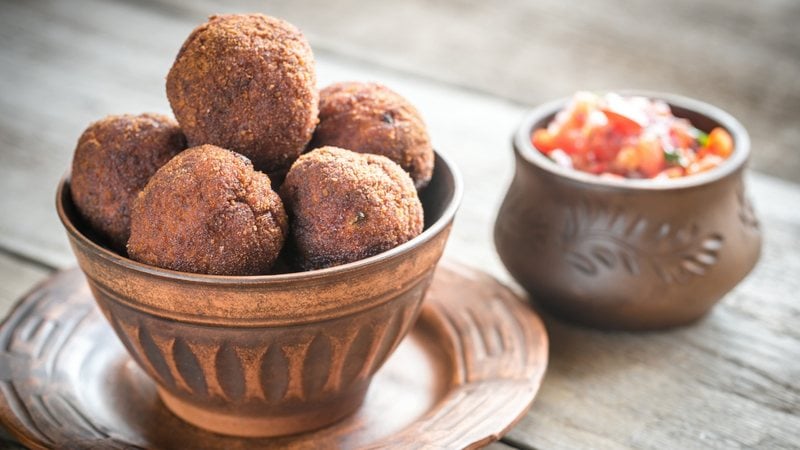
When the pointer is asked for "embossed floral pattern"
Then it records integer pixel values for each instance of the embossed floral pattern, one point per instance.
(598, 238)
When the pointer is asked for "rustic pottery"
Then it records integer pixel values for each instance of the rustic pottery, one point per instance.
(628, 254)
(266, 355)
(466, 372)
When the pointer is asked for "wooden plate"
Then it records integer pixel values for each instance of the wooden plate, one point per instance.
(468, 370)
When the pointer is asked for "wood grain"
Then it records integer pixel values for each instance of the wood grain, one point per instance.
(743, 58)
(18, 276)
(727, 381)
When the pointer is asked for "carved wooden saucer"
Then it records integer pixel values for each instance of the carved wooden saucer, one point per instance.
(465, 374)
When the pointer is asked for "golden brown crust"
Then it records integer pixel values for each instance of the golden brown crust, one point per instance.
(371, 118)
(208, 211)
(246, 82)
(347, 206)
(114, 159)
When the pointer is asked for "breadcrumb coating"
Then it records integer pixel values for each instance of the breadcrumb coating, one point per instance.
(207, 211)
(246, 82)
(346, 206)
(371, 118)
(114, 159)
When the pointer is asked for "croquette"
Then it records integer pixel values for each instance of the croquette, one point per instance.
(207, 211)
(371, 118)
(345, 206)
(247, 83)
(114, 159)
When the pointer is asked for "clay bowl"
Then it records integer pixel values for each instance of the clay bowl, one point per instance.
(266, 355)
(628, 254)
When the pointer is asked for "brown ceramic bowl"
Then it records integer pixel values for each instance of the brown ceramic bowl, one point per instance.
(628, 254)
(266, 355)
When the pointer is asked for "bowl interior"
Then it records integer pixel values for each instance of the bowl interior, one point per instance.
(702, 115)
(439, 199)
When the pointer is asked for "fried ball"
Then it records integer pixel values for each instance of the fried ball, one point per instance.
(371, 118)
(246, 82)
(208, 211)
(114, 159)
(347, 206)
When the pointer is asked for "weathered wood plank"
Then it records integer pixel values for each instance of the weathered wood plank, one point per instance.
(729, 380)
(59, 73)
(743, 58)
(17, 276)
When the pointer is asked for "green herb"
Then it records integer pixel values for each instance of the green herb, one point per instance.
(702, 138)
(672, 157)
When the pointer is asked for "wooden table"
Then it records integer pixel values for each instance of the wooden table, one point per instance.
(727, 381)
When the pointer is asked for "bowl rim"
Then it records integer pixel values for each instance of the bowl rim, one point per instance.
(525, 149)
(428, 234)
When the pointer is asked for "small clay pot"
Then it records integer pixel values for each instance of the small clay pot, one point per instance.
(628, 254)
(266, 355)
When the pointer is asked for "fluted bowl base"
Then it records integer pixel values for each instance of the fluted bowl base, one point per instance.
(233, 424)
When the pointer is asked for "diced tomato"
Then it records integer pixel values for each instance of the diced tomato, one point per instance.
(623, 123)
(627, 159)
(680, 135)
(651, 157)
(630, 136)
(543, 140)
(604, 143)
(720, 142)
(569, 140)
(575, 119)
(597, 168)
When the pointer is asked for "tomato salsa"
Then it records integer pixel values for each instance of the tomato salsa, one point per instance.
(629, 137)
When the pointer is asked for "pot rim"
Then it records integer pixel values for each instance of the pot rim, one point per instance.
(278, 279)
(525, 149)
